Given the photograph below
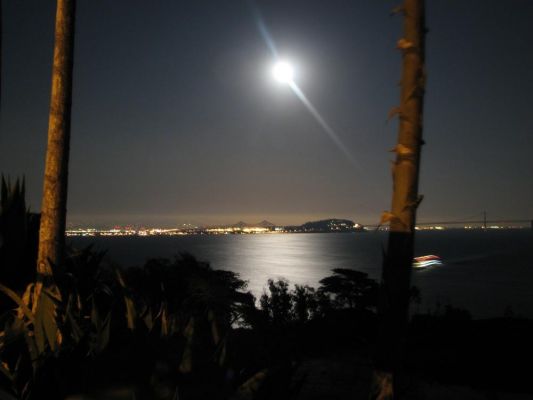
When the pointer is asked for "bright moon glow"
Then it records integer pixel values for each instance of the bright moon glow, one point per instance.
(283, 72)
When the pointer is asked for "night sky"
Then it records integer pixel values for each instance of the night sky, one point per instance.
(176, 117)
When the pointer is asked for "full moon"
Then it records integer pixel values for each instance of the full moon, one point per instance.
(283, 72)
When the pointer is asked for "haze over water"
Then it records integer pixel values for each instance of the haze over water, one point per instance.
(484, 271)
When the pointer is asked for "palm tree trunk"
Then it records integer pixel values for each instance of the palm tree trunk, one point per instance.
(394, 302)
(53, 209)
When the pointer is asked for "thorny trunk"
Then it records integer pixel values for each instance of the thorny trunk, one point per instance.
(53, 209)
(394, 302)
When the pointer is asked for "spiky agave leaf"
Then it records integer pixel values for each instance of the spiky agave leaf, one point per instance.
(71, 318)
(186, 358)
(6, 371)
(13, 296)
(131, 313)
(147, 317)
(45, 328)
(101, 334)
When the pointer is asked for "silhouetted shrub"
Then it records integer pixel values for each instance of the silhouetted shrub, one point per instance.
(350, 288)
(19, 233)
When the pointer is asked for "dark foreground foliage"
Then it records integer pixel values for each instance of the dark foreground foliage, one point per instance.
(173, 327)
(101, 327)
(18, 237)
(179, 329)
(491, 355)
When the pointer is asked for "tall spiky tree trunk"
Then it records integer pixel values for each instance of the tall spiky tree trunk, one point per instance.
(54, 205)
(394, 304)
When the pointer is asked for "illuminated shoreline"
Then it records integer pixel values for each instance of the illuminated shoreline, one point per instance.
(145, 232)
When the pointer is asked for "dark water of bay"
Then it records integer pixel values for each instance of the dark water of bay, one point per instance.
(484, 271)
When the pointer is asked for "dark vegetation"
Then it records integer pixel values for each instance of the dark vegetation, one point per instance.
(179, 329)
(18, 237)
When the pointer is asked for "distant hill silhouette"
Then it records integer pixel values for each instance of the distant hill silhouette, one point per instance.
(262, 224)
(327, 225)
(324, 225)
(265, 224)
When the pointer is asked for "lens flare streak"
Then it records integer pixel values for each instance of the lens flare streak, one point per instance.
(263, 30)
(328, 129)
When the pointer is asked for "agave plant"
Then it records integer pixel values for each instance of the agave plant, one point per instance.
(18, 237)
(72, 315)
(113, 319)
